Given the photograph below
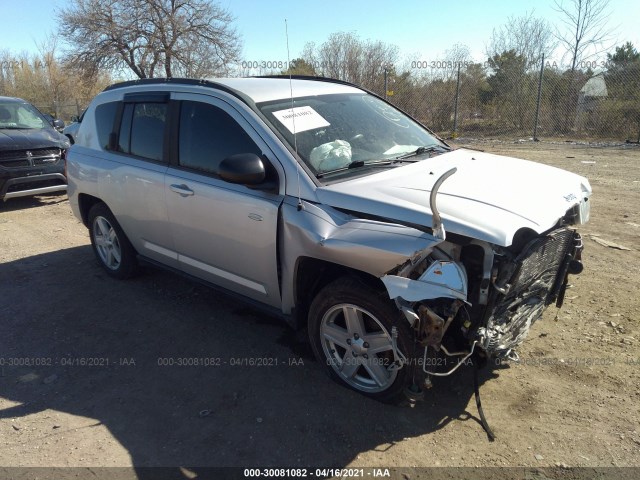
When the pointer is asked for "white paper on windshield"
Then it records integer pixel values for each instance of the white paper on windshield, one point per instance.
(306, 118)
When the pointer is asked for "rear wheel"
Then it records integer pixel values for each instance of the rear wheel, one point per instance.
(111, 246)
(350, 328)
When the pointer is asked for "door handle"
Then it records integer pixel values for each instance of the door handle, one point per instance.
(182, 190)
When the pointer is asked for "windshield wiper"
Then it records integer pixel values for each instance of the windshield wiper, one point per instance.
(422, 150)
(355, 164)
(362, 163)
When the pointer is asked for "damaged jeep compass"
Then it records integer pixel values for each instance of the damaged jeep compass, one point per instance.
(326, 205)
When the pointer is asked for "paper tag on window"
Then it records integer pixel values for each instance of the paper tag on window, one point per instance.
(306, 118)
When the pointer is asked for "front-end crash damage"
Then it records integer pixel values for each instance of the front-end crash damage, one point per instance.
(454, 317)
(463, 297)
(487, 296)
(525, 284)
(368, 245)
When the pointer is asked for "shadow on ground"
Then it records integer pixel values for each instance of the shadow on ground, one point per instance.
(61, 306)
(24, 203)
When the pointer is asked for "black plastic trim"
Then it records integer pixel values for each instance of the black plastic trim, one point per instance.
(183, 81)
(31, 179)
(146, 97)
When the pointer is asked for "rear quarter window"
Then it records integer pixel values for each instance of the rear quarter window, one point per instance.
(105, 115)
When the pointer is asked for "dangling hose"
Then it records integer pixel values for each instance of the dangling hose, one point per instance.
(476, 388)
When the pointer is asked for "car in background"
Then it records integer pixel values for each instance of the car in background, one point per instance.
(32, 152)
(71, 130)
(56, 123)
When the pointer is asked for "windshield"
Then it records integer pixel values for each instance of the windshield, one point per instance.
(340, 131)
(21, 115)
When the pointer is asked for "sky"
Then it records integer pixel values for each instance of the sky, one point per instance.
(422, 29)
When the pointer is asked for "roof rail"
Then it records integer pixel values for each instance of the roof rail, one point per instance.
(155, 81)
(312, 77)
(214, 84)
(182, 81)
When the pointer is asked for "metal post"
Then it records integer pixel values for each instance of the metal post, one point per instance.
(385, 83)
(535, 125)
(455, 108)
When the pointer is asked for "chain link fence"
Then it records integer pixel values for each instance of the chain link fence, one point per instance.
(471, 101)
(64, 111)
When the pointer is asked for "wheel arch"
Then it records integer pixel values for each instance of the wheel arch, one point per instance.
(313, 274)
(85, 203)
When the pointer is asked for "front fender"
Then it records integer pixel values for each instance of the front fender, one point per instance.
(322, 232)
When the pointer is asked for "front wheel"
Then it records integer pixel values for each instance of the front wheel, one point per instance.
(350, 329)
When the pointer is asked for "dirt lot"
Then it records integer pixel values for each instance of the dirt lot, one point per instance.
(573, 400)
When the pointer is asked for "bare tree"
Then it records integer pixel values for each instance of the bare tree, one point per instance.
(346, 57)
(56, 81)
(458, 53)
(150, 37)
(47, 82)
(528, 36)
(586, 27)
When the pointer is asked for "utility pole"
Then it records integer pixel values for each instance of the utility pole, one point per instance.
(455, 108)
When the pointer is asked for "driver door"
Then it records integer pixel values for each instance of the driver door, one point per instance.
(224, 233)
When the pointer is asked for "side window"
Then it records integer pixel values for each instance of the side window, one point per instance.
(105, 115)
(208, 135)
(142, 129)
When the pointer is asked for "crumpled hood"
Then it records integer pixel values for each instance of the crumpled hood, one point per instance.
(490, 197)
(25, 139)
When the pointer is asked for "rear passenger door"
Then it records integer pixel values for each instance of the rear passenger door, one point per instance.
(224, 233)
(134, 179)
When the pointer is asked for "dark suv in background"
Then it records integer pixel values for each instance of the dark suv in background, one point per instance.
(32, 152)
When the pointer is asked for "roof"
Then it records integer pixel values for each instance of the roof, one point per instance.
(257, 89)
(267, 89)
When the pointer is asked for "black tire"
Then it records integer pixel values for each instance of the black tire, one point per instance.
(111, 246)
(376, 315)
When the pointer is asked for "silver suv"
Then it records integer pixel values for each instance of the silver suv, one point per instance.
(321, 202)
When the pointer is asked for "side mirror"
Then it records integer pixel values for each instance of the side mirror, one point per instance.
(243, 168)
(58, 124)
(75, 118)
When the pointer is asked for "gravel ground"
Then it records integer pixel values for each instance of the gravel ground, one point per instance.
(93, 390)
